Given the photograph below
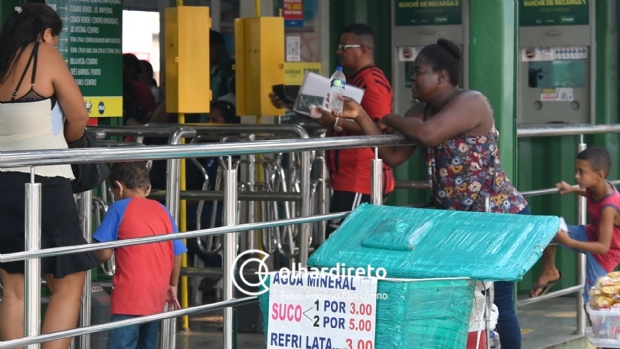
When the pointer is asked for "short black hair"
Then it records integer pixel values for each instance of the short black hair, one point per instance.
(228, 110)
(444, 55)
(361, 30)
(216, 37)
(132, 174)
(598, 158)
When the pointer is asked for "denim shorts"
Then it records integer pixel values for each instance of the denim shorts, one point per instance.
(143, 336)
(593, 269)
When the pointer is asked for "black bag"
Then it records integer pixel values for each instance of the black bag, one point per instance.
(87, 176)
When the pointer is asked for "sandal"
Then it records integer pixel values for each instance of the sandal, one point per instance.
(545, 287)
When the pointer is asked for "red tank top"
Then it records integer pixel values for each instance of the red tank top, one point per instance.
(609, 260)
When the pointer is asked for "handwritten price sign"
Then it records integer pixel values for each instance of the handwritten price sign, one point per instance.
(321, 311)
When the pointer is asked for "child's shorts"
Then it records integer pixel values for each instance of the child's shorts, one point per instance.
(143, 336)
(593, 269)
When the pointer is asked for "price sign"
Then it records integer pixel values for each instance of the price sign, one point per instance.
(321, 311)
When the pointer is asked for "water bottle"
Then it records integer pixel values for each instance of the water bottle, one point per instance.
(336, 89)
(494, 339)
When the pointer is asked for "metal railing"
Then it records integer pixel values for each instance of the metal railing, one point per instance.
(33, 251)
(253, 191)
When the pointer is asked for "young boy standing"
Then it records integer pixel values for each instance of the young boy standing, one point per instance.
(146, 275)
(599, 240)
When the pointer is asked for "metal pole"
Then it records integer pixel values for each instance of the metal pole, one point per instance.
(489, 292)
(582, 214)
(376, 197)
(167, 340)
(230, 252)
(32, 309)
(306, 208)
(252, 235)
(168, 326)
(87, 230)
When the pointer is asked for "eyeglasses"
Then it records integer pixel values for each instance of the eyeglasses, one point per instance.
(344, 47)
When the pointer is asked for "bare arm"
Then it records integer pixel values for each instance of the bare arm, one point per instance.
(565, 188)
(606, 230)
(392, 155)
(176, 271)
(463, 114)
(171, 294)
(68, 94)
(104, 255)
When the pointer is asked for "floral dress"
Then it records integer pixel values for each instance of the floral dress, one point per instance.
(464, 170)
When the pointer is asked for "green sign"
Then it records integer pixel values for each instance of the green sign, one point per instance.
(91, 45)
(90, 42)
(554, 12)
(428, 12)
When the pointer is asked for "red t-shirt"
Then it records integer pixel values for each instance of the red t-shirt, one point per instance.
(609, 261)
(143, 271)
(349, 169)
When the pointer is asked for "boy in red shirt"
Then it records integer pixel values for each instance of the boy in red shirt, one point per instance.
(146, 275)
(599, 240)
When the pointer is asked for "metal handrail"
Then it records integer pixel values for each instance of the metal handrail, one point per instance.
(59, 251)
(154, 130)
(15, 343)
(571, 130)
(219, 195)
(34, 158)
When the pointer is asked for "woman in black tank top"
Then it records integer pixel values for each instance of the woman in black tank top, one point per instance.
(31, 31)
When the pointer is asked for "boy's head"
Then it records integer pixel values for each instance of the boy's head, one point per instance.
(593, 166)
(130, 179)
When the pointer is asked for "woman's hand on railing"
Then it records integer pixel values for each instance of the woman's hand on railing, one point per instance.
(384, 128)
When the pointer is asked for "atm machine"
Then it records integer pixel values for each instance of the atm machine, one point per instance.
(417, 23)
(556, 64)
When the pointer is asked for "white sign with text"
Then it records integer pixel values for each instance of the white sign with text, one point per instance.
(321, 311)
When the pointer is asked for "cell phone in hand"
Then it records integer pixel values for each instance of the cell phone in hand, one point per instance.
(278, 90)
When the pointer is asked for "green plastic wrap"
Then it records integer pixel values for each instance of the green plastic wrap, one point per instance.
(430, 314)
(431, 260)
(425, 243)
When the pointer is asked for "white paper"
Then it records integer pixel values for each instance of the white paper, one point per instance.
(565, 53)
(319, 310)
(563, 225)
(537, 54)
(293, 49)
(408, 53)
(314, 90)
(557, 95)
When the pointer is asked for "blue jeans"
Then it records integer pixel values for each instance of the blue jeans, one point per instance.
(593, 269)
(142, 336)
(507, 321)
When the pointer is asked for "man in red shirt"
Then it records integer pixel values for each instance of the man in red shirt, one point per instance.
(349, 169)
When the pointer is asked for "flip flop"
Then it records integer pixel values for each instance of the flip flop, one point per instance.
(545, 287)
